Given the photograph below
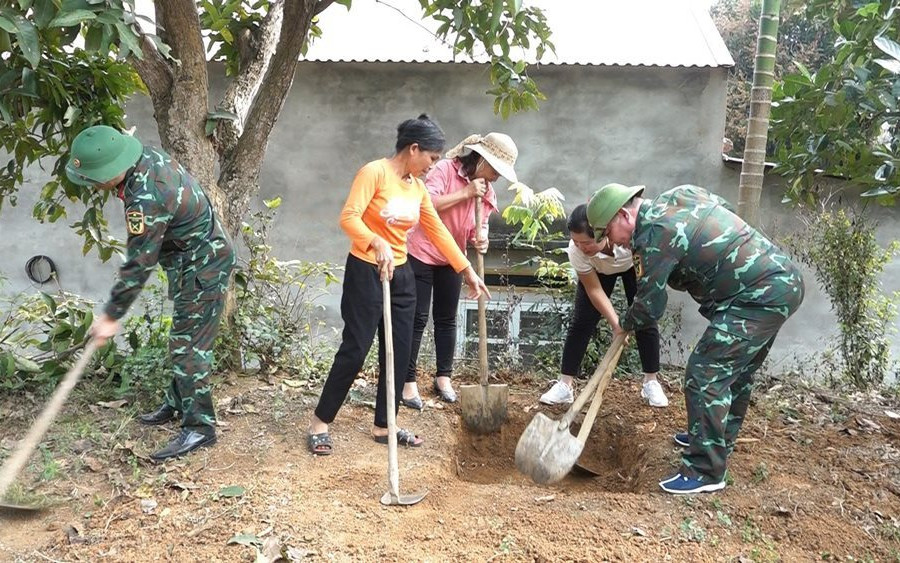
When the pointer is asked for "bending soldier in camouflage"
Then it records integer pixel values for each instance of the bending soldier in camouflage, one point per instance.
(692, 240)
(170, 222)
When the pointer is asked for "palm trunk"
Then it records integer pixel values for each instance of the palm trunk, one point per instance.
(753, 168)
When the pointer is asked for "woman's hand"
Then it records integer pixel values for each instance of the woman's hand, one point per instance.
(384, 257)
(480, 245)
(103, 328)
(616, 329)
(476, 188)
(476, 284)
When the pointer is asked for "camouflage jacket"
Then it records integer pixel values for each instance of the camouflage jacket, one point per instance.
(693, 241)
(170, 222)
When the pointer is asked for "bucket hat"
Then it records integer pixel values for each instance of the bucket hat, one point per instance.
(497, 149)
(99, 154)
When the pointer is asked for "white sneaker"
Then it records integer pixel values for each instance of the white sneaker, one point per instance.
(559, 394)
(653, 392)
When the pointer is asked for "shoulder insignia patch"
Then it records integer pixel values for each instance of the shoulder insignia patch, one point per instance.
(638, 265)
(135, 222)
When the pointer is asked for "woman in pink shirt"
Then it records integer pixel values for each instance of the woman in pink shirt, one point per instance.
(453, 184)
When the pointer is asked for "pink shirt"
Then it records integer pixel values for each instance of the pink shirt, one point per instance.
(445, 178)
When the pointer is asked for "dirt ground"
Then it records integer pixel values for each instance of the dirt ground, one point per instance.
(812, 480)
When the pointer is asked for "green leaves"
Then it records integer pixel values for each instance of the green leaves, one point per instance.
(842, 248)
(843, 120)
(228, 23)
(27, 38)
(232, 492)
(74, 17)
(533, 212)
(505, 31)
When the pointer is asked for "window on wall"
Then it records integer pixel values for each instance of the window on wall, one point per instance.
(517, 329)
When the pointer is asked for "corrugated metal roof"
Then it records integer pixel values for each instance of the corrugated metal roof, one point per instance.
(671, 33)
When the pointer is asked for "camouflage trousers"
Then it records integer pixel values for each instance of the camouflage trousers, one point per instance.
(195, 324)
(719, 374)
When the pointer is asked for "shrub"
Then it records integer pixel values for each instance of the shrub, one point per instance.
(842, 249)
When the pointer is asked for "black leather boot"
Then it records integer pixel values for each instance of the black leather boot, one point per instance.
(161, 415)
(186, 441)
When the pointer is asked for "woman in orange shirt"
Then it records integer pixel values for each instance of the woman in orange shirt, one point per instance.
(386, 199)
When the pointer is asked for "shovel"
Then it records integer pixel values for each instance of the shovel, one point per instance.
(483, 406)
(392, 496)
(547, 451)
(19, 458)
(588, 421)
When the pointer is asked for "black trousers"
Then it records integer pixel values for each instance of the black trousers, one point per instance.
(444, 283)
(362, 310)
(584, 322)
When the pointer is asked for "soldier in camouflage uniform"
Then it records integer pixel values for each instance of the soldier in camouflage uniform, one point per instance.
(693, 241)
(170, 222)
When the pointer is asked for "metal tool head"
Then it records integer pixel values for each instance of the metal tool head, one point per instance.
(546, 450)
(484, 407)
(6, 507)
(583, 471)
(390, 499)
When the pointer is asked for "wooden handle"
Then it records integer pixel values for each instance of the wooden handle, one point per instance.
(26, 447)
(611, 356)
(390, 400)
(482, 299)
(588, 421)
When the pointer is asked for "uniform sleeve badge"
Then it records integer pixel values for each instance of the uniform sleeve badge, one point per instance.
(135, 222)
(638, 265)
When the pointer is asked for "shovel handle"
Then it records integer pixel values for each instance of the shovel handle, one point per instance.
(390, 400)
(482, 300)
(26, 447)
(609, 359)
(588, 421)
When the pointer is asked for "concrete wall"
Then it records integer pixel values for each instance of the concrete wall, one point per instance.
(656, 126)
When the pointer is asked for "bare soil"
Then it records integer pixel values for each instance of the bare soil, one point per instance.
(812, 480)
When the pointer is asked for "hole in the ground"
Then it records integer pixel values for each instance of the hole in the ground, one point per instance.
(618, 449)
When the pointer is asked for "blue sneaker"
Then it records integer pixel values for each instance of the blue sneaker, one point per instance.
(683, 439)
(681, 485)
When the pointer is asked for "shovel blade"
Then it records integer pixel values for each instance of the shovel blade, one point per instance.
(390, 499)
(546, 453)
(579, 469)
(484, 407)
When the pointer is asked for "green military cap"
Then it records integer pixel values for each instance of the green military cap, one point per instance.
(606, 202)
(99, 154)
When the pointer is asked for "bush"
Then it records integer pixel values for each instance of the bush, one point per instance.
(848, 261)
(41, 333)
(273, 326)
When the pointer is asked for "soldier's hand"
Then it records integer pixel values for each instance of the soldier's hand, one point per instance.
(103, 328)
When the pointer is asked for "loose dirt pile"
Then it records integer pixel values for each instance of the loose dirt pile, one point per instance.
(810, 481)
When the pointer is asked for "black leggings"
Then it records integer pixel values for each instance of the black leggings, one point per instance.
(444, 283)
(362, 310)
(584, 322)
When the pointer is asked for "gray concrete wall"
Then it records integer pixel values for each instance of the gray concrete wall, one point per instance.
(656, 126)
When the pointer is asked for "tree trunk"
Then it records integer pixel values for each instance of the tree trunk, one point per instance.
(180, 96)
(239, 177)
(753, 168)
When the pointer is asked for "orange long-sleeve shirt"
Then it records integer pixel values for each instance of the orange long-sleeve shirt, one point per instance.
(381, 203)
